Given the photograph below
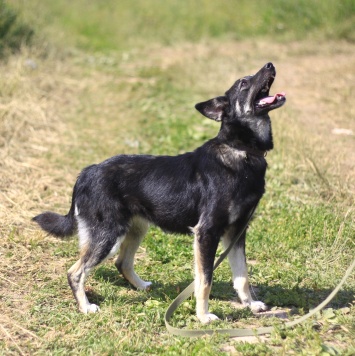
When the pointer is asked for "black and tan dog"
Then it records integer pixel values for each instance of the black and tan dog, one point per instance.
(209, 192)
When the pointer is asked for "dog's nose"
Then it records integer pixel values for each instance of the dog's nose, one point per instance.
(269, 66)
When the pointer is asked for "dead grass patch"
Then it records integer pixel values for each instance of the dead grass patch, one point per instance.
(40, 97)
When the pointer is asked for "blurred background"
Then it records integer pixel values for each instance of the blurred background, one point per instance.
(118, 25)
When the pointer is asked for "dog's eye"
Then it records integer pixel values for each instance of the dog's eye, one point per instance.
(243, 83)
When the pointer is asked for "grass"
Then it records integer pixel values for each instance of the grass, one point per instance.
(115, 26)
(13, 33)
(62, 110)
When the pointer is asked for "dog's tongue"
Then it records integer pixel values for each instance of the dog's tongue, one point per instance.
(270, 99)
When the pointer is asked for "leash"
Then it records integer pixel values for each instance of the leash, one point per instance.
(188, 291)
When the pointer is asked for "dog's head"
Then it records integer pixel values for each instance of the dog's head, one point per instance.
(247, 98)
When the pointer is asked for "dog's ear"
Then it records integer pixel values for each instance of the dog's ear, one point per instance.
(213, 108)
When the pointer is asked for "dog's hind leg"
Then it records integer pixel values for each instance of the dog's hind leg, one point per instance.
(96, 244)
(237, 262)
(76, 278)
(129, 247)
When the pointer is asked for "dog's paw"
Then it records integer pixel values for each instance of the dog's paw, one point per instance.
(257, 306)
(89, 308)
(144, 286)
(93, 308)
(207, 318)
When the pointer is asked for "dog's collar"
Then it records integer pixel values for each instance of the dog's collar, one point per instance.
(251, 151)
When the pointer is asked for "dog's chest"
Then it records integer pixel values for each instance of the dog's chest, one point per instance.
(241, 161)
(248, 189)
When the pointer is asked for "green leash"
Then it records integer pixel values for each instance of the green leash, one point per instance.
(187, 292)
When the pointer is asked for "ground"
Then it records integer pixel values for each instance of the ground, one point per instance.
(61, 113)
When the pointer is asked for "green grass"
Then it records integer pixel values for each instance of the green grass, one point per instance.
(131, 88)
(112, 25)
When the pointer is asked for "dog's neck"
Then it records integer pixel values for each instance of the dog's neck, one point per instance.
(250, 151)
(253, 135)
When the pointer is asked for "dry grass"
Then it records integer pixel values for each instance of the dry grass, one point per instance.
(30, 123)
(40, 97)
(321, 90)
(52, 107)
(30, 126)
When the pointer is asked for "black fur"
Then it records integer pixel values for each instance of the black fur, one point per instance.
(207, 191)
(56, 224)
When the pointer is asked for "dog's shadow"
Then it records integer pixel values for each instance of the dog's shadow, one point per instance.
(274, 296)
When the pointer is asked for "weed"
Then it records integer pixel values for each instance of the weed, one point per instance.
(13, 33)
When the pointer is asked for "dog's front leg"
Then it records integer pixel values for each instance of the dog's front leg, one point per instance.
(237, 262)
(205, 248)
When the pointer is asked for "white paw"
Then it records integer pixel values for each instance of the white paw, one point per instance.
(257, 306)
(207, 318)
(144, 285)
(92, 308)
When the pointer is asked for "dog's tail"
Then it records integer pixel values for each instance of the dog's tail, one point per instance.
(56, 224)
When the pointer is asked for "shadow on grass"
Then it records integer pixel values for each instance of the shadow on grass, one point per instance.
(274, 296)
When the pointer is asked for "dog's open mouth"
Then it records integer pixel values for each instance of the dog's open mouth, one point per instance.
(268, 100)
(263, 100)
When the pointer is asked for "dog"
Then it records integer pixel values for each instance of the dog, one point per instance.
(209, 193)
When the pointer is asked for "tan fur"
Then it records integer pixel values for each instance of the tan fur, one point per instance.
(202, 287)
